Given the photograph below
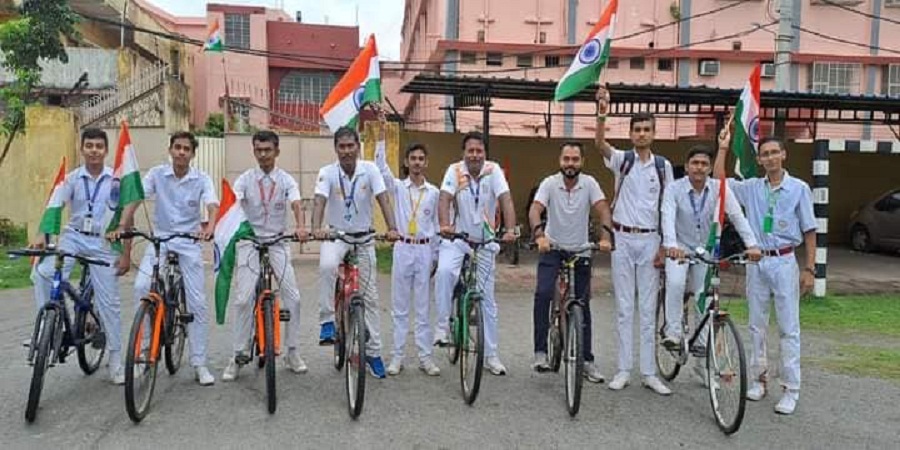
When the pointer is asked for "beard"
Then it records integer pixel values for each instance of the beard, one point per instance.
(570, 172)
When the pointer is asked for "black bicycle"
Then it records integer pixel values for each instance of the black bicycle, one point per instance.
(54, 333)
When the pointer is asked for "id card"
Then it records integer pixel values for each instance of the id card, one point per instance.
(767, 224)
(88, 225)
(413, 227)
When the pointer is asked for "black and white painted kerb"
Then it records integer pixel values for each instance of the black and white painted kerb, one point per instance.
(820, 207)
(882, 147)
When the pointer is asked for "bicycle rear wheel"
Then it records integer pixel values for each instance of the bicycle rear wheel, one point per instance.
(554, 338)
(90, 338)
(340, 350)
(574, 358)
(726, 370)
(269, 330)
(44, 340)
(471, 358)
(356, 357)
(668, 362)
(176, 332)
(455, 329)
(140, 372)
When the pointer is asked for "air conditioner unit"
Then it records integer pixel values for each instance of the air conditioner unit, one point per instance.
(768, 70)
(709, 67)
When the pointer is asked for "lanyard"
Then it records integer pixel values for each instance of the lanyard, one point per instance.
(771, 199)
(694, 207)
(476, 193)
(348, 199)
(415, 207)
(90, 199)
(262, 195)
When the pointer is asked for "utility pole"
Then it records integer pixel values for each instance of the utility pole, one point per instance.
(783, 59)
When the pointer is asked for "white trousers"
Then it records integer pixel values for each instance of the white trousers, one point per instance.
(777, 276)
(330, 256)
(103, 279)
(190, 261)
(450, 259)
(411, 283)
(680, 278)
(632, 270)
(248, 273)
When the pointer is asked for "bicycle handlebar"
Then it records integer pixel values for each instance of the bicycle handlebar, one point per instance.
(56, 252)
(354, 238)
(701, 255)
(465, 237)
(268, 241)
(128, 234)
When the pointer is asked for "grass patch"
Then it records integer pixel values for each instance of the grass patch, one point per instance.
(14, 273)
(384, 255)
(864, 361)
(872, 315)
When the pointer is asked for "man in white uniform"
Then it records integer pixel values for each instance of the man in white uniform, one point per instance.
(415, 201)
(348, 188)
(475, 188)
(567, 197)
(780, 211)
(689, 206)
(92, 195)
(180, 191)
(641, 177)
(265, 194)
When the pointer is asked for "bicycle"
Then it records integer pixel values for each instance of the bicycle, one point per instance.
(266, 340)
(164, 310)
(725, 365)
(54, 334)
(467, 321)
(350, 319)
(566, 332)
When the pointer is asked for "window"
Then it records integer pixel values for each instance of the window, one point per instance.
(834, 78)
(480, 36)
(542, 37)
(664, 65)
(494, 59)
(467, 58)
(237, 30)
(892, 80)
(306, 87)
(612, 63)
(524, 60)
(637, 63)
(551, 61)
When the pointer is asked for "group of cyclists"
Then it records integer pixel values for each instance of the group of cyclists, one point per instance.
(656, 221)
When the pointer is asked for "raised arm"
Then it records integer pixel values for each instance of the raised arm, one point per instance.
(381, 163)
(722, 154)
(602, 109)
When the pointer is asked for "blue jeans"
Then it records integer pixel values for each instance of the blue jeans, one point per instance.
(548, 269)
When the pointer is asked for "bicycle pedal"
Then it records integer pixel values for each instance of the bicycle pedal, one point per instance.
(186, 318)
(242, 359)
(698, 351)
(99, 341)
(284, 315)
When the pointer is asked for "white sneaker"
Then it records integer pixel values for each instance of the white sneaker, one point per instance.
(756, 392)
(495, 366)
(231, 370)
(788, 402)
(656, 385)
(430, 368)
(203, 376)
(295, 363)
(117, 375)
(540, 362)
(592, 373)
(621, 380)
(395, 367)
(440, 338)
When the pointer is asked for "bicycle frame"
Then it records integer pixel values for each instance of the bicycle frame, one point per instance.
(62, 288)
(265, 293)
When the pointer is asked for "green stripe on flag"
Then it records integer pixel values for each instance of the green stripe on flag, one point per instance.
(372, 91)
(226, 271)
(583, 78)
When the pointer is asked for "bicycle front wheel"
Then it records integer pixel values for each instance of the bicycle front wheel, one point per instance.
(471, 357)
(140, 371)
(668, 362)
(726, 372)
(356, 357)
(574, 358)
(176, 332)
(269, 351)
(44, 340)
(91, 340)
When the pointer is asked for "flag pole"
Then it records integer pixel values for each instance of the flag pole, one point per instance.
(227, 100)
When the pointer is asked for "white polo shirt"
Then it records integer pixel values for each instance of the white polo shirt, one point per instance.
(266, 199)
(178, 201)
(411, 202)
(350, 201)
(476, 200)
(568, 212)
(637, 202)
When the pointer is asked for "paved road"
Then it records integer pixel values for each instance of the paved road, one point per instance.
(523, 409)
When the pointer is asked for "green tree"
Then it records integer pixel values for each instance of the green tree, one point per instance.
(35, 35)
(215, 126)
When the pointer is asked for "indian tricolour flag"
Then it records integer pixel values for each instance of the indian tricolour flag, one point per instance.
(591, 58)
(714, 240)
(214, 38)
(52, 218)
(127, 187)
(359, 86)
(231, 226)
(746, 134)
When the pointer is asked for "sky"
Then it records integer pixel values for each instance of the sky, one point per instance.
(382, 17)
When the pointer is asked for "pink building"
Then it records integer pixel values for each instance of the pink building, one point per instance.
(291, 69)
(536, 39)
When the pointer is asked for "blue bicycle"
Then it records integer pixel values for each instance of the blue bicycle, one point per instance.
(54, 333)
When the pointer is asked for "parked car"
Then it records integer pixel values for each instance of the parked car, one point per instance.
(877, 224)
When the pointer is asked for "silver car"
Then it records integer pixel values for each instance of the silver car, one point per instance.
(877, 224)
